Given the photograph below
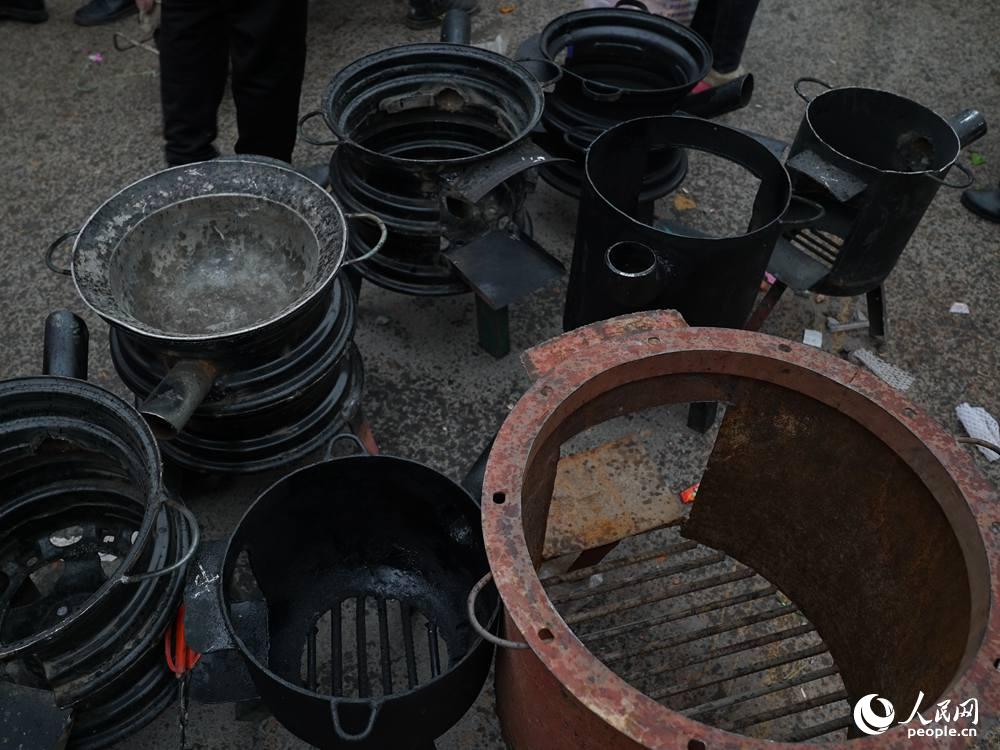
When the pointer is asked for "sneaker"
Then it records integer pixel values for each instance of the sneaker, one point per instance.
(28, 11)
(426, 14)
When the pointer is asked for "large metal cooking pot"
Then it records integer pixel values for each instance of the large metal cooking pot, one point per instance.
(874, 160)
(399, 544)
(203, 259)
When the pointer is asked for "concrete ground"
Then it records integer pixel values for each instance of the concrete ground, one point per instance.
(73, 131)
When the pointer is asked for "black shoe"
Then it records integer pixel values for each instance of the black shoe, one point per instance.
(98, 12)
(985, 203)
(29, 11)
(424, 14)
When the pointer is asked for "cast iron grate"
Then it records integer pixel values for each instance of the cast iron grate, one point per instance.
(707, 637)
(370, 647)
(821, 245)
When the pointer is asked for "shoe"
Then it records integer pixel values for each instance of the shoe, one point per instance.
(98, 12)
(984, 203)
(430, 13)
(28, 11)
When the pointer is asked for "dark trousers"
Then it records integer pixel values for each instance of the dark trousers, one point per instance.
(725, 25)
(264, 43)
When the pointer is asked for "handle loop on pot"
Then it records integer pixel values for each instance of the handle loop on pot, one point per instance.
(820, 213)
(308, 138)
(633, 4)
(477, 626)
(347, 736)
(195, 530)
(600, 92)
(51, 251)
(980, 443)
(806, 79)
(346, 436)
(969, 178)
(378, 245)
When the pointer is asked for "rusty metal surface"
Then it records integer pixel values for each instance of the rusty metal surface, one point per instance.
(564, 697)
(606, 494)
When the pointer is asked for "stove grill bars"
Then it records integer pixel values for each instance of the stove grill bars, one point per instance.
(368, 647)
(707, 637)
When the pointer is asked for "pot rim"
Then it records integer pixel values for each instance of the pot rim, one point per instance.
(327, 203)
(678, 30)
(869, 167)
(455, 51)
(707, 126)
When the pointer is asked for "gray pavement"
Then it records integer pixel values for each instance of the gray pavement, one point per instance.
(72, 132)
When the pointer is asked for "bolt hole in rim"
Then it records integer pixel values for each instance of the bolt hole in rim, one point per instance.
(930, 460)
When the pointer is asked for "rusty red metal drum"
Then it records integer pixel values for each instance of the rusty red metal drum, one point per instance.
(874, 520)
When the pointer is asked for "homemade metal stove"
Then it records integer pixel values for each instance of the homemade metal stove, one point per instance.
(230, 318)
(836, 533)
(434, 139)
(874, 160)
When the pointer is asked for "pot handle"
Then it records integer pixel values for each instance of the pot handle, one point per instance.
(308, 138)
(633, 4)
(51, 251)
(806, 79)
(378, 245)
(600, 92)
(969, 178)
(193, 527)
(820, 213)
(345, 436)
(478, 627)
(979, 443)
(347, 736)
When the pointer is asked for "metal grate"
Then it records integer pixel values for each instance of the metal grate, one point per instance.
(705, 636)
(369, 647)
(821, 245)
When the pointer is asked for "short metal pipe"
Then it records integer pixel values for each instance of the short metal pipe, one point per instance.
(178, 395)
(969, 125)
(456, 28)
(634, 272)
(66, 343)
(719, 100)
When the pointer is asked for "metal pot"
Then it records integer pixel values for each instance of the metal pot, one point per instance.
(622, 263)
(206, 259)
(92, 554)
(395, 541)
(874, 160)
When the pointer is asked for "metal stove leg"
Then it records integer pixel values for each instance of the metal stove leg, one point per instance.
(701, 415)
(878, 323)
(494, 328)
(765, 307)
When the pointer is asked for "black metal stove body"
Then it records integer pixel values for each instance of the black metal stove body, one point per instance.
(875, 161)
(623, 264)
(619, 64)
(91, 555)
(274, 400)
(416, 126)
(339, 602)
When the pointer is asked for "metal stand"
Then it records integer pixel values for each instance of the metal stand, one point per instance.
(878, 324)
(493, 327)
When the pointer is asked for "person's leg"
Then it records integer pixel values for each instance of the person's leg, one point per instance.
(703, 23)
(268, 52)
(27, 11)
(194, 62)
(733, 19)
(423, 14)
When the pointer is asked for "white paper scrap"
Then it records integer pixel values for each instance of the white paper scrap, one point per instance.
(813, 338)
(979, 423)
(959, 308)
